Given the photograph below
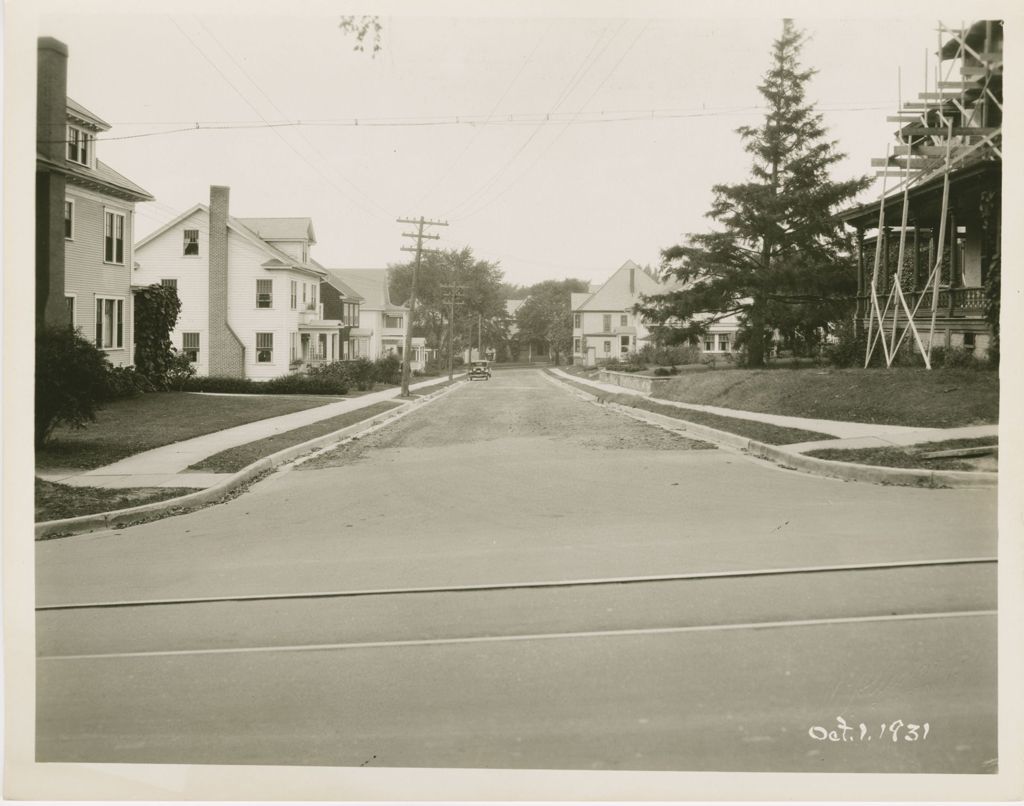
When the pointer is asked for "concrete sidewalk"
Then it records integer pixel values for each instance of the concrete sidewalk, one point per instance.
(167, 466)
(847, 434)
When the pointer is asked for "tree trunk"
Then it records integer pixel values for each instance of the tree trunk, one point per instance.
(755, 342)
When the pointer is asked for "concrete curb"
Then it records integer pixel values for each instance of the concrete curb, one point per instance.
(847, 471)
(188, 503)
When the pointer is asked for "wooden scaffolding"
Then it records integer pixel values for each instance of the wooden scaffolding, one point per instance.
(956, 123)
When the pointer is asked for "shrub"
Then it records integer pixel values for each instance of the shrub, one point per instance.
(848, 350)
(358, 373)
(282, 385)
(387, 369)
(180, 368)
(304, 385)
(957, 357)
(125, 382)
(670, 354)
(72, 381)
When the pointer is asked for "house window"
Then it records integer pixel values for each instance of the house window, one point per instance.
(624, 320)
(264, 293)
(607, 346)
(79, 145)
(623, 344)
(322, 345)
(264, 346)
(576, 320)
(191, 245)
(709, 344)
(576, 346)
(969, 341)
(113, 238)
(303, 294)
(723, 343)
(69, 219)
(169, 282)
(392, 321)
(295, 294)
(109, 323)
(190, 346)
(69, 303)
(352, 315)
(607, 323)
(312, 295)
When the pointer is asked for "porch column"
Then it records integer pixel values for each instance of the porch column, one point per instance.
(861, 286)
(917, 262)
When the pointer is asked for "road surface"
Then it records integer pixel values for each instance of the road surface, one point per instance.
(513, 577)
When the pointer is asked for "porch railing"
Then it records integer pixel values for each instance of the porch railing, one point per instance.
(967, 301)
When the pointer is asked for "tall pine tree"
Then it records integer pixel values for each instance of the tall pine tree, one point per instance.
(780, 259)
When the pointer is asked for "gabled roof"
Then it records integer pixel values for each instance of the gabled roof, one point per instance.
(615, 295)
(513, 305)
(281, 260)
(79, 114)
(281, 229)
(102, 178)
(370, 284)
(337, 284)
(577, 298)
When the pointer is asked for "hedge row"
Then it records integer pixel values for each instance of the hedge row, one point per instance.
(284, 385)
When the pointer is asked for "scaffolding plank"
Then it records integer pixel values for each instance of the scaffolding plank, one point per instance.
(958, 131)
(958, 85)
(902, 118)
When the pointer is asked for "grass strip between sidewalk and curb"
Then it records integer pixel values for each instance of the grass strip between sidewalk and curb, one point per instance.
(749, 429)
(232, 487)
(126, 427)
(908, 455)
(55, 501)
(241, 456)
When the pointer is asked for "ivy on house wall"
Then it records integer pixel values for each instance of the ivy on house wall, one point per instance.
(156, 312)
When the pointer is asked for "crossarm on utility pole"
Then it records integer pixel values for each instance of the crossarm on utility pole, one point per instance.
(419, 235)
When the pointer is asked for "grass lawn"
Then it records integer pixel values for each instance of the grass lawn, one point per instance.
(939, 398)
(910, 456)
(751, 429)
(234, 459)
(56, 501)
(127, 427)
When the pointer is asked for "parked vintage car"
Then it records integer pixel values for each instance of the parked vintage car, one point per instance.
(480, 370)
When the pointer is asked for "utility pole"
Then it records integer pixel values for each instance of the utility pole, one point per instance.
(420, 223)
(480, 336)
(455, 291)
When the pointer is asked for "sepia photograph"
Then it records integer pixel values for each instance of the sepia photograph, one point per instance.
(506, 390)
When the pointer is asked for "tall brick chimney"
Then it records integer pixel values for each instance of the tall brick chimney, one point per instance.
(51, 134)
(227, 353)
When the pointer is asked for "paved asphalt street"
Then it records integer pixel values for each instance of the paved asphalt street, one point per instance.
(546, 513)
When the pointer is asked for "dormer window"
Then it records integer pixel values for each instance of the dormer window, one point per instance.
(79, 146)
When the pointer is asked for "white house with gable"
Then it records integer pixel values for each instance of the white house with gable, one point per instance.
(605, 327)
(249, 294)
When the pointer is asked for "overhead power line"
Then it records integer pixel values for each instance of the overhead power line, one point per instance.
(511, 119)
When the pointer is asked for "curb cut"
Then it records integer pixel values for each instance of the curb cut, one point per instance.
(846, 471)
(192, 501)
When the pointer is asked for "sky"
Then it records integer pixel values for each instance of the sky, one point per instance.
(558, 146)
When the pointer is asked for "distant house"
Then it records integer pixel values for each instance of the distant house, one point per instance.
(85, 217)
(382, 323)
(960, 232)
(341, 302)
(528, 350)
(248, 289)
